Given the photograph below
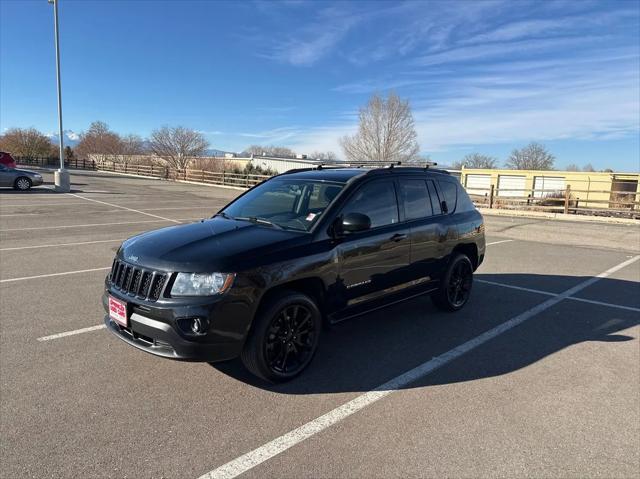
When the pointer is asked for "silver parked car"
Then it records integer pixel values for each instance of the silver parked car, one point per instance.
(19, 179)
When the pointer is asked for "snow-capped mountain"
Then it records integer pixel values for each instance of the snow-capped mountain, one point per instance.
(71, 138)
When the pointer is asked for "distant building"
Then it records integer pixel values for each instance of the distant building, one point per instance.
(280, 165)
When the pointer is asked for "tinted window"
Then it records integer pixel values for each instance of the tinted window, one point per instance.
(449, 191)
(415, 197)
(322, 195)
(435, 199)
(288, 202)
(377, 200)
(464, 202)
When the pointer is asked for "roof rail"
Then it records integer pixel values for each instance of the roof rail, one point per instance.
(375, 163)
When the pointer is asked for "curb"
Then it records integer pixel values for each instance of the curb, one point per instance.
(558, 216)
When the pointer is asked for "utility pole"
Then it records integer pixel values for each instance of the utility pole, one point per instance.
(62, 180)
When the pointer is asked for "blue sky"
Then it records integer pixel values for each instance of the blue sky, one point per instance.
(482, 76)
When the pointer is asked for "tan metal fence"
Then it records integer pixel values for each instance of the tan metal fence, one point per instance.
(565, 201)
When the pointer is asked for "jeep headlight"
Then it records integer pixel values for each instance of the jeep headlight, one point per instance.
(201, 284)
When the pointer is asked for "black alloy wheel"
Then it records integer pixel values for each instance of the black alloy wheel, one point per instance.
(283, 338)
(291, 340)
(459, 287)
(455, 289)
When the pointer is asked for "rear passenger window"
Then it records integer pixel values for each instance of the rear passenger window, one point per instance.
(415, 197)
(464, 202)
(449, 191)
(435, 200)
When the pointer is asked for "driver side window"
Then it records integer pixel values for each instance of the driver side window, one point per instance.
(377, 200)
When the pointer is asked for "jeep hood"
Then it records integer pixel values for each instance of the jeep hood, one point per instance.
(216, 244)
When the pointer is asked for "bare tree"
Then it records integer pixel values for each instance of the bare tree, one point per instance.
(534, 156)
(275, 151)
(68, 153)
(572, 167)
(588, 168)
(100, 141)
(177, 145)
(131, 146)
(25, 142)
(323, 155)
(476, 160)
(386, 132)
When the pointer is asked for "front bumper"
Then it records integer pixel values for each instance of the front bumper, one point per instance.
(166, 343)
(157, 329)
(36, 181)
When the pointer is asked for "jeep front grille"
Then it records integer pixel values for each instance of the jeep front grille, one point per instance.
(136, 281)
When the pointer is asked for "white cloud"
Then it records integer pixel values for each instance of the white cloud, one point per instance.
(593, 96)
(551, 105)
(273, 136)
(325, 138)
(214, 132)
(305, 46)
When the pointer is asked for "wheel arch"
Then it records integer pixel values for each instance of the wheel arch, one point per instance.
(470, 250)
(313, 287)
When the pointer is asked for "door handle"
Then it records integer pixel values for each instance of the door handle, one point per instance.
(398, 237)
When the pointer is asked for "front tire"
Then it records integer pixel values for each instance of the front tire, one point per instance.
(455, 289)
(283, 338)
(22, 183)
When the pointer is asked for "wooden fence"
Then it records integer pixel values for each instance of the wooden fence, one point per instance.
(227, 178)
(620, 203)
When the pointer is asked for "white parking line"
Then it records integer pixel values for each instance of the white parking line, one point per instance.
(602, 303)
(87, 225)
(48, 213)
(180, 208)
(73, 202)
(124, 208)
(501, 241)
(72, 333)
(24, 278)
(61, 244)
(263, 453)
(96, 224)
(548, 293)
(519, 288)
(33, 214)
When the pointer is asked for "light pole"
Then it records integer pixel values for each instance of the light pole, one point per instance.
(62, 180)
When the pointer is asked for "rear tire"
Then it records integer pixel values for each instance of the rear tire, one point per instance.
(22, 183)
(284, 337)
(455, 289)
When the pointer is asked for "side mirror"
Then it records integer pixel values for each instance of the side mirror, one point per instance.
(354, 222)
(443, 206)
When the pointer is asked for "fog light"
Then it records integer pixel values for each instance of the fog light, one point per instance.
(196, 326)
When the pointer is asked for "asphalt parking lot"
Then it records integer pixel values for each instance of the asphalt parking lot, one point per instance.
(539, 376)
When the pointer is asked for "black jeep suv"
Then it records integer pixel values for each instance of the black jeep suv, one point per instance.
(305, 248)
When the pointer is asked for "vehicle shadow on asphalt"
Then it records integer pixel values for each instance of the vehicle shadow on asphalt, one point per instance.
(365, 352)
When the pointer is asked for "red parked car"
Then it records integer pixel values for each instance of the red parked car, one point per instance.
(7, 160)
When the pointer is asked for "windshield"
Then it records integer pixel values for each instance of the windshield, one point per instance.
(288, 203)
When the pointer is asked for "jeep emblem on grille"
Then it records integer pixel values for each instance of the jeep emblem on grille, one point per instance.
(133, 259)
